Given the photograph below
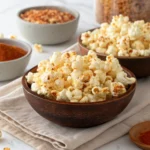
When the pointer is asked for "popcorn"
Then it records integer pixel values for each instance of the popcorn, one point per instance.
(101, 75)
(1, 35)
(45, 77)
(29, 77)
(120, 38)
(85, 99)
(94, 81)
(55, 58)
(79, 79)
(13, 37)
(44, 90)
(77, 94)
(138, 45)
(38, 48)
(96, 90)
(35, 87)
(144, 52)
(134, 32)
(117, 88)
(111, 50)
(77, 83)
(78, 64)
(59, 83)
(122, 77)
(124, 29)
(62, 95)
(123, 43)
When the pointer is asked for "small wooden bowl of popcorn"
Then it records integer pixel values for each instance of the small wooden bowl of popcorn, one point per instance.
(127, 41)
(47, 24)
(74, 96)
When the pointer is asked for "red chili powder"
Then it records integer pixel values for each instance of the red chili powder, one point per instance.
(145, 138)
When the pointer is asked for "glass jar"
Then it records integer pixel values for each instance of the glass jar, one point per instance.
(135, 9)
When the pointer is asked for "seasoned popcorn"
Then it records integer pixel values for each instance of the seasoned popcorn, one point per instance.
(38, 48)
(1, 35)
(13, 37)
(120, 38)
(74, 78)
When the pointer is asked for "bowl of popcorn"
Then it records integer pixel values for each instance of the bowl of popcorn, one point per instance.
(79, 91)
(127, 41)
(47, 24)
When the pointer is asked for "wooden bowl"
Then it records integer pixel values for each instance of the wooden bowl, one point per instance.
(140, 66)
(135, 132)
(77, 114)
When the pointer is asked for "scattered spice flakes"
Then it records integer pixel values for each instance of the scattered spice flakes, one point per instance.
(46, 16)
(38, 48)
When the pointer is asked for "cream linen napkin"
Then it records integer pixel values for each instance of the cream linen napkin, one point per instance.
(19, 119)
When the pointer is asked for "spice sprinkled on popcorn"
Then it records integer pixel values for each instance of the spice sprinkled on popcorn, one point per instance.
(120, 38)
(74, 78)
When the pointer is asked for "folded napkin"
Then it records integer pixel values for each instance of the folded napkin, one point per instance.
(19, 119)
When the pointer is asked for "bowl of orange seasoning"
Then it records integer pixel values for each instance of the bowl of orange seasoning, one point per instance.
(48, 24)
(140, 135)
(14, 57)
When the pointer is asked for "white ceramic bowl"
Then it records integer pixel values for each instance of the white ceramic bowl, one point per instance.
(48, 33)
(14, 68)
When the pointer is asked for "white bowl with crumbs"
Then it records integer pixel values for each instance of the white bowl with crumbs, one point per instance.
(47, 24)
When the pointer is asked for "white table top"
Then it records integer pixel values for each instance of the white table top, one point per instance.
(8, 26)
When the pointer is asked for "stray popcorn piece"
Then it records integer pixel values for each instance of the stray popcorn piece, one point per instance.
(13, 37)
(1, 35)
(79, 79)
(120, 38)
(38, 48)
(6, 148)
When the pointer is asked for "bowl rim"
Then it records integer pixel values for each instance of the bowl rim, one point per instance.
(29, 49)
(133, 139)
(48, 6)
(104, 55)
(130, 90)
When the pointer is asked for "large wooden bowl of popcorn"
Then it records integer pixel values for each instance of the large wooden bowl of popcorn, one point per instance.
(79, 91)
(127, 41)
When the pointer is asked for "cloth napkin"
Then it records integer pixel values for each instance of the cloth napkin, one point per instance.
(19, 119)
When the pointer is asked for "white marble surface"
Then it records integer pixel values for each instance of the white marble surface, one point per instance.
(8, 26)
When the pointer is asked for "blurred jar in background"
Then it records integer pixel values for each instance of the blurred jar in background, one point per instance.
(135, 9)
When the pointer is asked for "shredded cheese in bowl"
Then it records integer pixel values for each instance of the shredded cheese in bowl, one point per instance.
(74, 78)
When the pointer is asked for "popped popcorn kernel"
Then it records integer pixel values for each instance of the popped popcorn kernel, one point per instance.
(1, 35)
(13, 37)
(38, 48)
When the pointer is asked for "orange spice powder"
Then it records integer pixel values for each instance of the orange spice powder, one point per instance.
(8, 52)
